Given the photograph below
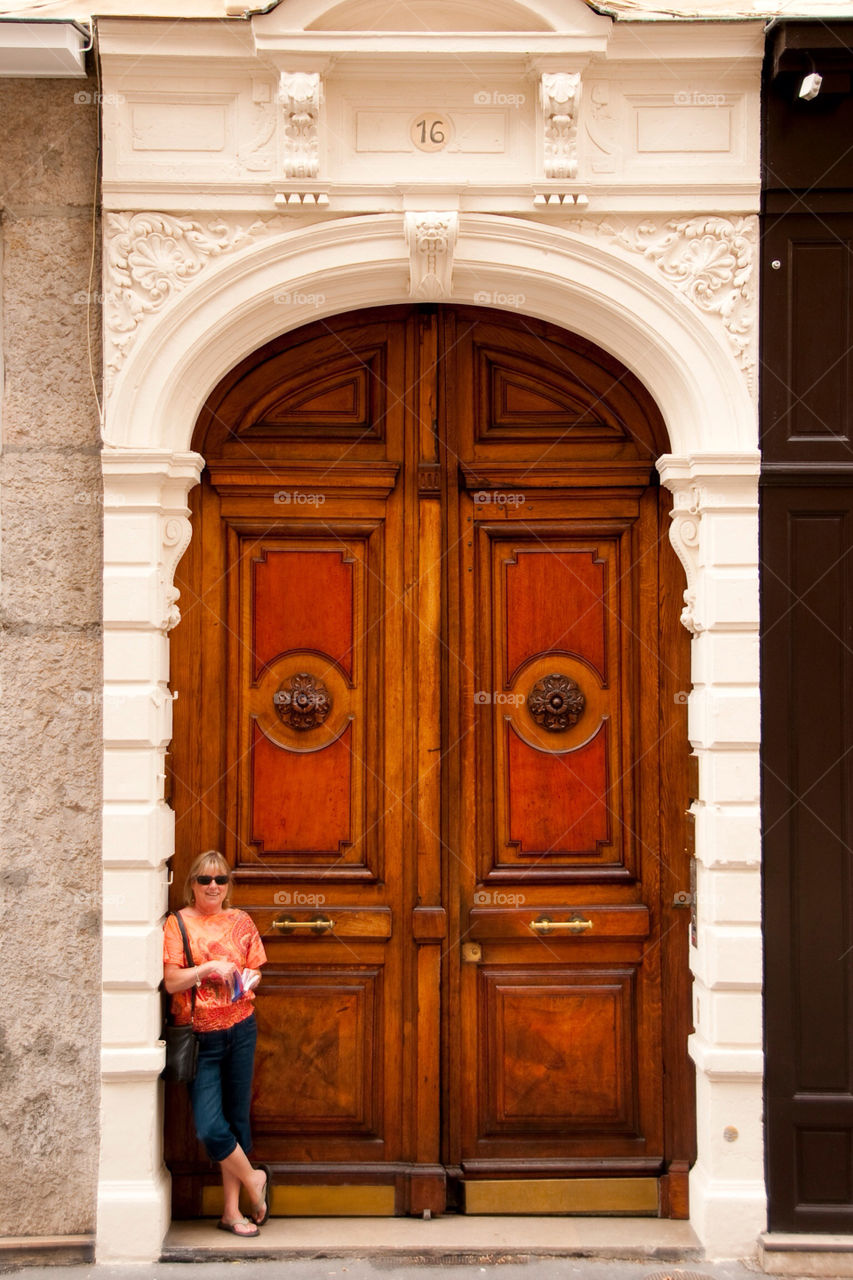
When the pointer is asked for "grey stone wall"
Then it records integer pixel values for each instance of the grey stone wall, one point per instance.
(50, 661)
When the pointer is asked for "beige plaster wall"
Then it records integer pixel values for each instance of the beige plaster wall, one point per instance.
(50, 662)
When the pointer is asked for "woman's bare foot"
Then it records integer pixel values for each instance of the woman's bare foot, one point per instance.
(261, 1195)
(239, 1227)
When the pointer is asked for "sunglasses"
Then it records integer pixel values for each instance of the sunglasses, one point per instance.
(208, 879)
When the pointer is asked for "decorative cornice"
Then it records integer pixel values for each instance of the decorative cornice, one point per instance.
(431, 238)
(711, 261)
(559, 93)
(301, 94)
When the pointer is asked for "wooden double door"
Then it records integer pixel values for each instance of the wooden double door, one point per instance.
(431, 687)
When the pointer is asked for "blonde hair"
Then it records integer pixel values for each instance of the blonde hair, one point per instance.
(204, 865)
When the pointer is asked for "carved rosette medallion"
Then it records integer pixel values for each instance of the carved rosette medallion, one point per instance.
(556, 702)
(302, 701)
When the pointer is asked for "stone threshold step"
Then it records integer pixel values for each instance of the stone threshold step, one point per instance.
(456, 1239)
(781, 1254)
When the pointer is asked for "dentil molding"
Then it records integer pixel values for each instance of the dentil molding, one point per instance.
(709, 261)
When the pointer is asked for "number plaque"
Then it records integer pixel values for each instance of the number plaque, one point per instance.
(430, 131)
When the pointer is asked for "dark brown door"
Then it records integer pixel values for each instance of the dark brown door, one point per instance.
(431, 708)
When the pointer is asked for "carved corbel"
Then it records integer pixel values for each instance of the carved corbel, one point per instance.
(560, 93)
(431, 239)
(300, 94)
(684, 530)
(175, 532)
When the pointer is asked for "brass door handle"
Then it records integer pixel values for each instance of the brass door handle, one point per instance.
(545, 925)
(320, 924)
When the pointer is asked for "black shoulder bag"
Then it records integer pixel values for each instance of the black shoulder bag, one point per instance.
(181, 1042)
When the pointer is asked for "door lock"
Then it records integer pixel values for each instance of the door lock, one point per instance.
(472, 952)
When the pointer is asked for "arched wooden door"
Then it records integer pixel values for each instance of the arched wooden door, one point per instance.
(431, 686)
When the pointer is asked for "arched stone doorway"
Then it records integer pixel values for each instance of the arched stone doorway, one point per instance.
(432, 688)
(178, 357)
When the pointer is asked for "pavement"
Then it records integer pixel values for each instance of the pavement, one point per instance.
(402, 1267)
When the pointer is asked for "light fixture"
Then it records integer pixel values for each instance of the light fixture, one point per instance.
(810, 87)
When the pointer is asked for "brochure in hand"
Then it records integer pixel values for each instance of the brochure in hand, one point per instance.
(244, 982)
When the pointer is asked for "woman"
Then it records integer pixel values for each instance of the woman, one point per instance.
(223, 942)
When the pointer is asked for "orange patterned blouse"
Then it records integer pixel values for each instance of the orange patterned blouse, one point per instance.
(226, 935)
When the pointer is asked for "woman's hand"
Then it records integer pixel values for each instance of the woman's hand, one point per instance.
(176, 979)
(219, 970)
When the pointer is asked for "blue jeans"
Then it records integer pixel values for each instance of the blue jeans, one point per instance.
(222, 1090)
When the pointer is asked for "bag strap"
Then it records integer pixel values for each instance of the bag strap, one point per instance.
(188, 956)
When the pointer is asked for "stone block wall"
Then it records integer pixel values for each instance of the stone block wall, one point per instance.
(50, 659)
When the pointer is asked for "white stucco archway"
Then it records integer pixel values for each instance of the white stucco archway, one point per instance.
(180, 350)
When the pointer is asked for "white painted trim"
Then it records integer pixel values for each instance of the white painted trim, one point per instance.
(617, 300)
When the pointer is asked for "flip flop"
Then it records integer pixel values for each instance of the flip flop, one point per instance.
(239, 1222)
(263, 1205)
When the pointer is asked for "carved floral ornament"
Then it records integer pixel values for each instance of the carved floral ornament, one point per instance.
(150, 258)
(302, 701)
(556, 702)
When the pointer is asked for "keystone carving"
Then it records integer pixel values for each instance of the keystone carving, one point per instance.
(431, 238)
(300, 94)
(560, 96)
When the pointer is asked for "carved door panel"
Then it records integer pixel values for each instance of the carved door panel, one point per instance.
(557, 702)
(419, 692)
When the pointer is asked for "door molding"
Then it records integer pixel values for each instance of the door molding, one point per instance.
(684, 360)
